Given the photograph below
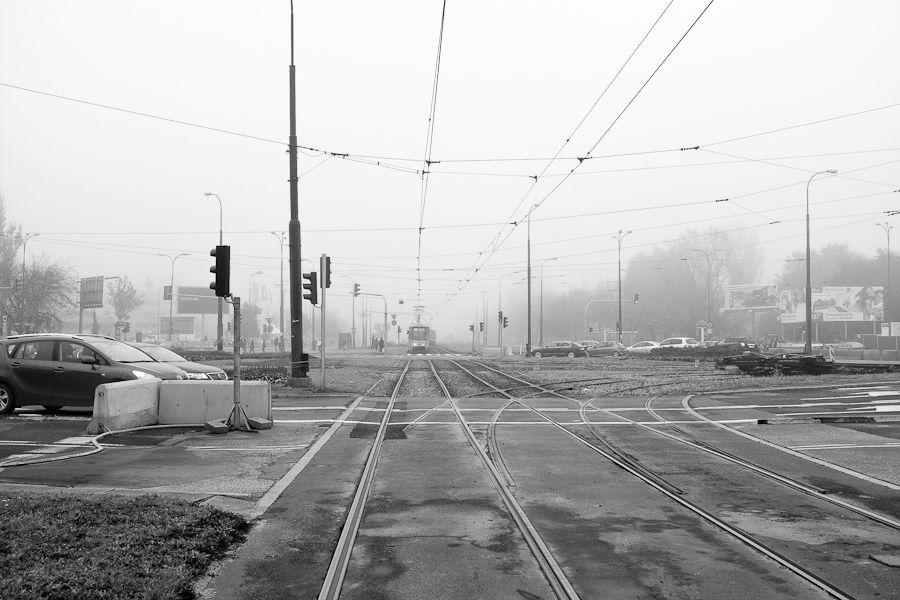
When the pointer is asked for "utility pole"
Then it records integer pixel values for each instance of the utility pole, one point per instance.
(299, 362)
(621, 235)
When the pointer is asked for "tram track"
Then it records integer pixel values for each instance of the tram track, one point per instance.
(627, 462)
(337, 571)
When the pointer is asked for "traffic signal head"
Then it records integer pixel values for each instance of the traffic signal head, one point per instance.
(505, 322)
(500, 316)
(222, 269)
(590, 329)
(311, 287)
(356, 289)
(471, 328)
(326, 273)
(481, 326)
(636, 298)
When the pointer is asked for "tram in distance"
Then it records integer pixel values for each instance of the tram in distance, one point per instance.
(421, 338)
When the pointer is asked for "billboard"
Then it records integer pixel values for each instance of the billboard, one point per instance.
(754, 296)
(834, 304)
(91, 293)
(199, 301)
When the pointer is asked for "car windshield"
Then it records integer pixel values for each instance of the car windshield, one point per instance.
(119, 351)
(162, 354)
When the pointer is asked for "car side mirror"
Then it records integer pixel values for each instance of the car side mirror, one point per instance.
(90, 360)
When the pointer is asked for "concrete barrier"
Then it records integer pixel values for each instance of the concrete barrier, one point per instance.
(125, 404)
(893, 355)
(186, 402)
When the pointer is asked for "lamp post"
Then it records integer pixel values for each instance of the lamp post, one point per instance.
(280, 235)
(541, 325)
(808, 346)
(887, 297)
(172, 287)
(219, 328)
(528, 337)
(619, 237)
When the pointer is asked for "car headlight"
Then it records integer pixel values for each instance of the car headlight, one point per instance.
(197, 376)
(143, 374)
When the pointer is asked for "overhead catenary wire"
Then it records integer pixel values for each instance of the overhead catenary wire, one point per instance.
(429, 145)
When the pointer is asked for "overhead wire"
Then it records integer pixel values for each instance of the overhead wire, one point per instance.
(429, 146)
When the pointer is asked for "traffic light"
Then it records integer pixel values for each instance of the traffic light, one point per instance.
(399, 331)
(222, 270)
(356, 289)
(505, 322)
(312, 288)
(127, 327)
(472, 328)
(636, 298)
(500, 316)
(326, 273)
(481, 326)
(590, 330)
(167, 292)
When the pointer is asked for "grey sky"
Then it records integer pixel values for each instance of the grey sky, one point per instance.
(107, 190)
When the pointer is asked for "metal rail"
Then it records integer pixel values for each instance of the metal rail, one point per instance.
(337, 570)
(551, 569)
(744, 537)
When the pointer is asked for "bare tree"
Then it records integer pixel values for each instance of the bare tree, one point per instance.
(40, 297)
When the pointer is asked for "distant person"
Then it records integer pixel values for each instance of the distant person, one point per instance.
(381, 344)
(264, 345)
(252, 345)
(243, 344)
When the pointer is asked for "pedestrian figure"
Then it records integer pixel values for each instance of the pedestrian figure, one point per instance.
(243, 344)
(252, 345)
(264, 345)
(381, 344)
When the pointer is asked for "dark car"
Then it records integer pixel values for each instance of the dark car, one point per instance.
(607, 349)
(57, 369)
(570, 349)
(756, 363)
(194, 370)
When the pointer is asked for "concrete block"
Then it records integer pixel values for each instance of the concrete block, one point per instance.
(124, 405)
(216, 426)
(188, 402)
(890, 355)
(257, 423)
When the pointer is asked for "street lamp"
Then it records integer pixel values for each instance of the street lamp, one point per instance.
(541, 325)
(808, 346)
(619, 237)
(219, 328)
(887, 297)
(172, 286)
(280, 235)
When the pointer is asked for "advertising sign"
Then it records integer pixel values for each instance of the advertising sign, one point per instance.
(833, 304)
(92, 292)
(180, 325)
(199, 301)
(755, 296)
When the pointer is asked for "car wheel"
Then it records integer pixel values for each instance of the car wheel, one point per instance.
(52, 409)
(7, 400)
(571, 355)
(537, 355)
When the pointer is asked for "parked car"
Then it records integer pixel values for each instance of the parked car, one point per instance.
(194, 370)
(641, 348)
(570, 349)
(679, 342)
(57, 369)
(607, 349)
(588, 343)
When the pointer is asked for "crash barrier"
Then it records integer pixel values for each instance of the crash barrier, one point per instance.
(128, 404)
(717, 352)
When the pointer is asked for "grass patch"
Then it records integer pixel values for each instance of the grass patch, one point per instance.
(108, 547)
